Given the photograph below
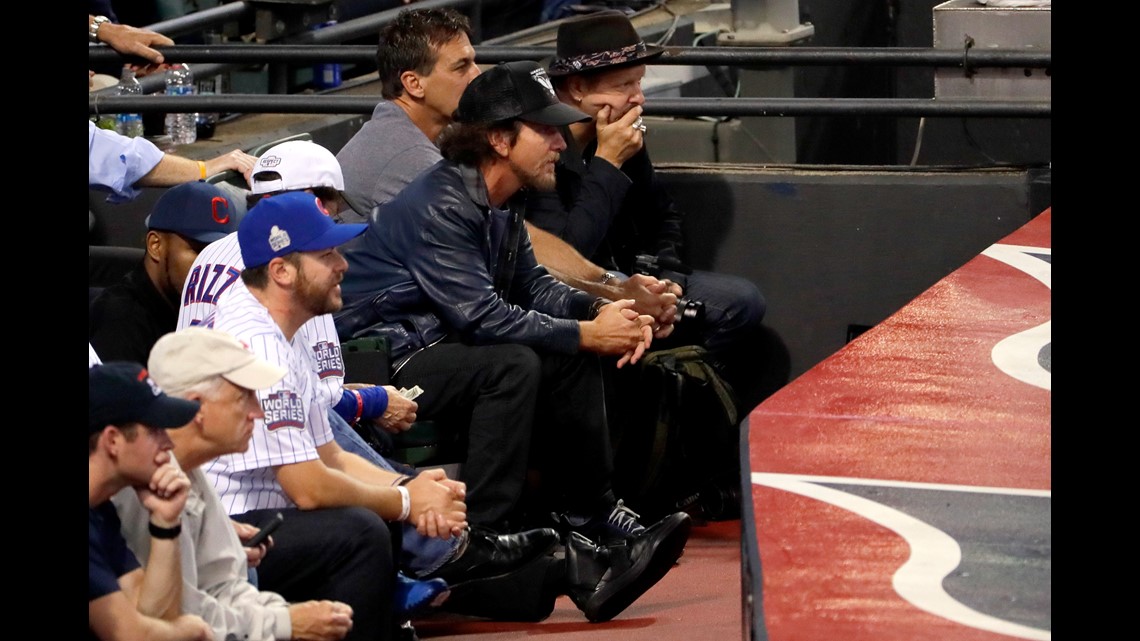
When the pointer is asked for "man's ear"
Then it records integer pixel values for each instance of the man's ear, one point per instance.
(500, 141)
(155, 246)
(281, 272)
(411, 82)
(576, 89)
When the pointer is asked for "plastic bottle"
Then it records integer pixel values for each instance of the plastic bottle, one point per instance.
(129, 124)
(326, 75)
(181, 127)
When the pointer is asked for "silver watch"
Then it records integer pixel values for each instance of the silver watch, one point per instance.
(97, 22)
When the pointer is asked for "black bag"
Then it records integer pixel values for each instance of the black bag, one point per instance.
(677, 437)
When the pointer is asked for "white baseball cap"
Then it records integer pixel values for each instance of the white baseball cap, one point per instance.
(179, 360)
(297, 164)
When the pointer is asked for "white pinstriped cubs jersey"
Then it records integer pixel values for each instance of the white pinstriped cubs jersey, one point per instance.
(216, 270)
(296, 420)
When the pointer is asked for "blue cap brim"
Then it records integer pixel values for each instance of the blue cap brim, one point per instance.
(335, 236)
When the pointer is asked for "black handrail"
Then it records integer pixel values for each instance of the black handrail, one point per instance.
(719, 107)
(736, 56)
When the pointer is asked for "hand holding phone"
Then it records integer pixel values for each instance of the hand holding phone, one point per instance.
(266, 529)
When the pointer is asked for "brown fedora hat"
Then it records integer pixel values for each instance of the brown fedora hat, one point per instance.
(599, 40)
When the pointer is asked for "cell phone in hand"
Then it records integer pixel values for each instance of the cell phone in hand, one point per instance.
(267, 528)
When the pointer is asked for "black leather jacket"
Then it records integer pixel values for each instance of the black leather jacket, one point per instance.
(439, 262)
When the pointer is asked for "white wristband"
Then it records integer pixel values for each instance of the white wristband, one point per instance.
(405, 503)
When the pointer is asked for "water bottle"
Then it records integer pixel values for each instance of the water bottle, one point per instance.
(181, 127)
(326, 75)
(129, 124)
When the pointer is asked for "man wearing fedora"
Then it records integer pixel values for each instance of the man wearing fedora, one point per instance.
(447, 274)
(611, 207)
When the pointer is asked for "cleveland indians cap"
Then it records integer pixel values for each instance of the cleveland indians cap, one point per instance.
(295, 221)
(518, 89)
(121, 393)
(294, 165)
(180, 360)
(196, 210)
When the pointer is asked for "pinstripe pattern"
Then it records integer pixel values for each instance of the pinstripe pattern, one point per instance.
(296, 419)
(216, 268)
(207, 281)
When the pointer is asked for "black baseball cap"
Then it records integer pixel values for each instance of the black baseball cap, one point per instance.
(121, 393)
(519, 89)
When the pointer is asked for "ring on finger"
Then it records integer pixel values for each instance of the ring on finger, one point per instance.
(639, 125)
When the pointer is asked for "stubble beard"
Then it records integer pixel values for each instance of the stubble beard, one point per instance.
(538, 179)
(317, 300)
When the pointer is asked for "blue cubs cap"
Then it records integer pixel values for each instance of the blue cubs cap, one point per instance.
(196, 210)
(121, 393)
(295, 221)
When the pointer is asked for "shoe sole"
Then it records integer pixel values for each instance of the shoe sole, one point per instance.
(613, 599)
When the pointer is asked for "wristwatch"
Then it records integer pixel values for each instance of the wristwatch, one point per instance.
(96, 22)
(607, 277)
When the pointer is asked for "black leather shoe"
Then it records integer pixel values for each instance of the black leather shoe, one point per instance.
(525, 594)
(605, 579)
(489, 554)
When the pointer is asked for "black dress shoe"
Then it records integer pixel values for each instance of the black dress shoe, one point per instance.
(525, 594)
(489, 554)
(605, 579)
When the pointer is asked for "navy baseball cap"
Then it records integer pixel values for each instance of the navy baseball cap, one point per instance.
(519, 89)
(121, 393)
(295, 221)
(196, 210)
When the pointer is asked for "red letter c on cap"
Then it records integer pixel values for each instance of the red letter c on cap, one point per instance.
(218, 203)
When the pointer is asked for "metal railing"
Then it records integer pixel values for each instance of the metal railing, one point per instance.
(733, 56)
(237, 55)
(718, 107)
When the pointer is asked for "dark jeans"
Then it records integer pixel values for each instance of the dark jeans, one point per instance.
(419, 554)
(497, 391)
(740, 347)
(342, 554)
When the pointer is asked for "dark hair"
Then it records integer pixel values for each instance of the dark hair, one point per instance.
(410, 41)
(258, 277)
(326, 194)
(130, 432)
(468, 143)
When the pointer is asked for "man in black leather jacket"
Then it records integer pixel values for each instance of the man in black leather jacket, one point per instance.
(449, 277)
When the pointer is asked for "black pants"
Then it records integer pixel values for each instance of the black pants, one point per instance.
(341, 554)
(523, 410)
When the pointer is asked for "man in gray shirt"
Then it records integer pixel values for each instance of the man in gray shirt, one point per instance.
(425, 60)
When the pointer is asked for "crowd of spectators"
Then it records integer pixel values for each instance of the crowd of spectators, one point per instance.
(476, 223)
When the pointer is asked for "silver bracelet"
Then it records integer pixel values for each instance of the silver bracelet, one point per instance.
(93, 29)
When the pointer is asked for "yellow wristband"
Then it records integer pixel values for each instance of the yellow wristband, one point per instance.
(202, 169)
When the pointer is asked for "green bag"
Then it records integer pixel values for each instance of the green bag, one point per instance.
(678, 430)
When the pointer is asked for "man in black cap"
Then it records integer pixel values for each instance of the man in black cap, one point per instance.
(449, 277)
(611, 206)
(127, 318)
(128, 416)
